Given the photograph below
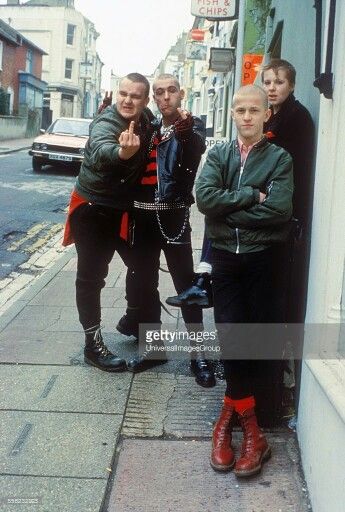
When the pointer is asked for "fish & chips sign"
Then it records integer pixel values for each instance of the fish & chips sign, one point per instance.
(215, 9)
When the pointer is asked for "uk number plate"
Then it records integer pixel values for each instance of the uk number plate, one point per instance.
(60, 157)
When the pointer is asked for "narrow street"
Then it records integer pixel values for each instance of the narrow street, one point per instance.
(32, 208)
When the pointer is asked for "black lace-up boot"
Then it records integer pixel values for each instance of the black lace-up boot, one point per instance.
(97, 354)
(203, 371)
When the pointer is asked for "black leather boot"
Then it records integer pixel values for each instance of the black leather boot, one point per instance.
(199, 294)
(203, 371)
(129, 323)
(97, 354)
(145, 361)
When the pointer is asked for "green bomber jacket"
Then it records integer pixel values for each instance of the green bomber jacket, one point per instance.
(104, 178)
(228, 195)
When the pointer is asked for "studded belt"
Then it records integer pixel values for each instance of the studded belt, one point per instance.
(158, 206)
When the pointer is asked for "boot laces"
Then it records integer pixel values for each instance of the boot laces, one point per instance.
(221, 435)
(224, 430)
(99, 343)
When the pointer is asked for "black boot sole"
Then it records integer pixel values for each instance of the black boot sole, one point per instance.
(118, 369)
(147, 365)
(198, 301)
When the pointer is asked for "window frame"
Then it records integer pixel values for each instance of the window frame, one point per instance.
(68, 69)
(68, 35)
(29, 61)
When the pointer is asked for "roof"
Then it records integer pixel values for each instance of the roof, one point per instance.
(13, 36)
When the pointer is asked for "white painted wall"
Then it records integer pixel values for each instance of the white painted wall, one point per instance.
(321, 422)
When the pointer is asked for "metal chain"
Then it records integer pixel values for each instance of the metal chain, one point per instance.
(171, 240)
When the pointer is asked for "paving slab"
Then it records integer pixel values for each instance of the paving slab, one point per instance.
(175, 476)
(168, 405)
(192, 410)
(63, 389)
(57, 444)
(147, 404)
(18, 345)
(51, 494)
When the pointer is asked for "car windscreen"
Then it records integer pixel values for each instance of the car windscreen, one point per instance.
(70, 127)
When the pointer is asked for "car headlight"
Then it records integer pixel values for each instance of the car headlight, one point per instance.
(44, 146)
(82, 151)
(36, 145)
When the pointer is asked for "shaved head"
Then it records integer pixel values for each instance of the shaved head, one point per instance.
(166, 76)
(250, 90)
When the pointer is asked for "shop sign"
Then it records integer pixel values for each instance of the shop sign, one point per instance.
(215, 9)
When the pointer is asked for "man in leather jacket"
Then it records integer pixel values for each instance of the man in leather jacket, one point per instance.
(161, 213)
(115, 157)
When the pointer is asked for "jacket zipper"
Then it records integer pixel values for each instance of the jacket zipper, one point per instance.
(237, 230)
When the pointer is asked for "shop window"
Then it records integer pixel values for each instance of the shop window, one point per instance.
(220, 109)
(275, 48)
(210, 110)
(68, 68)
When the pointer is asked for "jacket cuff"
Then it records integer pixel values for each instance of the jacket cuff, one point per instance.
(256, 193)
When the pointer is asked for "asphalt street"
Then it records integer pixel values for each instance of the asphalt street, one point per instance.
(32, 208)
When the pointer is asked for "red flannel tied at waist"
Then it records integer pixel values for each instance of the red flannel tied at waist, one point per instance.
(77, 200)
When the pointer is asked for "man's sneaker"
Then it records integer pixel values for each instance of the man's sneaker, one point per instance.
(199, 294)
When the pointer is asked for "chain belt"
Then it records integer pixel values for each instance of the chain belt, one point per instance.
(158, 206)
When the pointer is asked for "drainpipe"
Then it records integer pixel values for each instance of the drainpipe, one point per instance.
(239, 52)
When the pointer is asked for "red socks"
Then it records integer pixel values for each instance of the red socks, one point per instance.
(240, 405)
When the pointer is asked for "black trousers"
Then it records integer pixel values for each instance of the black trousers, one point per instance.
(148, 244)
(96, 231)
(244, 293)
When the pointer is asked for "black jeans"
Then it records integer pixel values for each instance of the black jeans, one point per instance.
(148, 244)
(96, 231)
(244, 293)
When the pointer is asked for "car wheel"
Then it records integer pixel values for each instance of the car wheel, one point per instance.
(36, 165)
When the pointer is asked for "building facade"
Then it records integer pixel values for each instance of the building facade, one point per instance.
(309, 34)
(20, 72)
(71, 66)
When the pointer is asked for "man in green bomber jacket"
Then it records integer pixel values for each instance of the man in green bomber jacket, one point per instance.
(245, 191)
(115, 158)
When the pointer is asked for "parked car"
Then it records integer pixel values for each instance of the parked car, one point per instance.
(62, 143)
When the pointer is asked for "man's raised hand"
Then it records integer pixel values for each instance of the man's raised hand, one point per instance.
(129, 142)
(184, 124)
(183, 113)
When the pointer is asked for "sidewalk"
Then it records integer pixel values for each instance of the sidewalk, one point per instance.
(13, 145)
(77, 439)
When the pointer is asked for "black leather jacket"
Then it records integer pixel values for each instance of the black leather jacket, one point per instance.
(177, 163)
